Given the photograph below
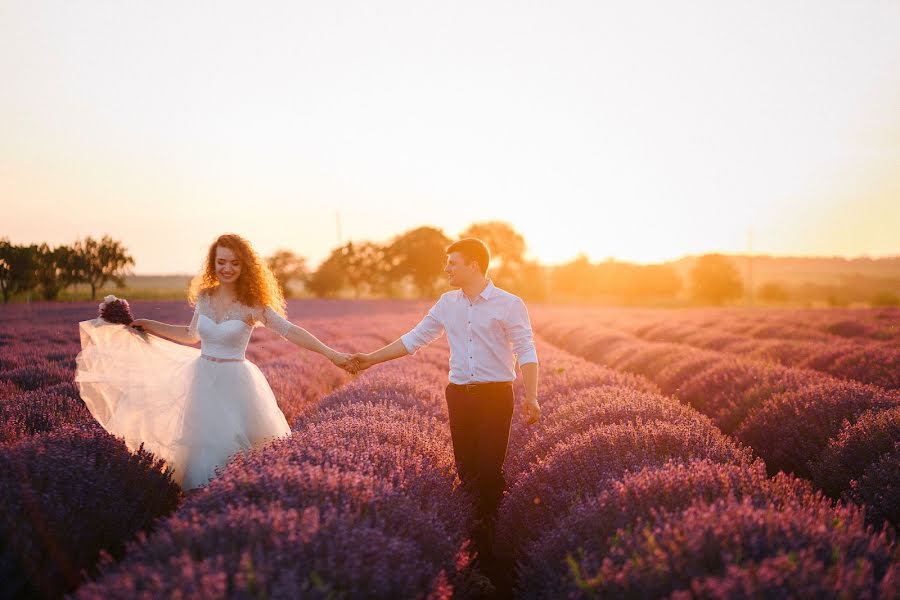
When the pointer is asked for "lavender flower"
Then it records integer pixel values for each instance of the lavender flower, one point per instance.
(116, 310)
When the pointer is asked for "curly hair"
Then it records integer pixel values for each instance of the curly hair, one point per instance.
(255, 287)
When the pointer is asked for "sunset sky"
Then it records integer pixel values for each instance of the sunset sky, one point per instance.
(639, 130)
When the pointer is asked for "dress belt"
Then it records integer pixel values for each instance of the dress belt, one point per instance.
(214, 359)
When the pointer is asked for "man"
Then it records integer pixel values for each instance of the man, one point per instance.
(487, 328)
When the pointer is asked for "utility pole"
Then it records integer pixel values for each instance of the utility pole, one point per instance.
(750, 265)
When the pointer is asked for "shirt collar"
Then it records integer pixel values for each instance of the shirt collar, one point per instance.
(488, 290)
(486, 293)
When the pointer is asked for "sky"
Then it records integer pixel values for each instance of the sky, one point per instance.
(637, 130)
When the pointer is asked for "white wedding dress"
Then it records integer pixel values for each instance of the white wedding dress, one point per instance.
(192, 408)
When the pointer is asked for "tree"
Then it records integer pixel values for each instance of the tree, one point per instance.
(98, 262)
(715, 279)
(287, 267)
(330, 277)
(653, 281)
(773, 292)
(419, 254)
(366, 267)
(54, 269)
(17, 268)
(531, 282)
(507, 245)
(509, 269)
(575, 279)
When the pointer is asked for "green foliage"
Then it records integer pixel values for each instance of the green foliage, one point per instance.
(96, 262)
(419, 254)
(773, 292)
(715, 279)
(17, 269)
(287, 267)
(626, 282)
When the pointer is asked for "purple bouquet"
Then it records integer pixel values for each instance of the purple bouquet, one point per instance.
(116, 310)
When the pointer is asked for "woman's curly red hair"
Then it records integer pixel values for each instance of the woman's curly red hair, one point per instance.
(255, 287)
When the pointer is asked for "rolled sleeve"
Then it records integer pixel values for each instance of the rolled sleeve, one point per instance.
(429, 329)
(518, 329)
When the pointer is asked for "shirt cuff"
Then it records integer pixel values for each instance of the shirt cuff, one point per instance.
(529, 356)
(408, 340)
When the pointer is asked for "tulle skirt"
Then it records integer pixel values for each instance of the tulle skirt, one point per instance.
(192, 412)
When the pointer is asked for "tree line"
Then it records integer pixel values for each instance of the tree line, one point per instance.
(417, 258)
(26, 269)
(410, 263)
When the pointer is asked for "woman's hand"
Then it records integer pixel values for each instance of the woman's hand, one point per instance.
(140, 324)
(344, 361)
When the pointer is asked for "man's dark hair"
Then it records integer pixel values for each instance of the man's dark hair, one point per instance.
(472, 249)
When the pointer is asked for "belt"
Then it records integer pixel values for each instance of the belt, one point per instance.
(474, 388)
(214, 359)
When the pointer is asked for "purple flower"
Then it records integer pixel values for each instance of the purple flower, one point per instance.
(116, 310)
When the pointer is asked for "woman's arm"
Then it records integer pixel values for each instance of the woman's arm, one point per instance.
(176, 333)
(304, 339)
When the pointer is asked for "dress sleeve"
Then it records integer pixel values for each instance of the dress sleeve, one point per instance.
(276, 322)
(192, 328)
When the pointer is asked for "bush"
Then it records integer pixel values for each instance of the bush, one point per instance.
(855, 448)
(737, 548)
(67, 495)
(597, 523)
(791, 430)
(879, 489)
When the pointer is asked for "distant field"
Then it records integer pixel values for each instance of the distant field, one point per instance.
(658, 468)
(137, 287)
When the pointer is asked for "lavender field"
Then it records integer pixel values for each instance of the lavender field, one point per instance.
(685, 454)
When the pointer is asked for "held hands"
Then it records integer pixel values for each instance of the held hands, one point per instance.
(363, 361)
(532, 411)
(139, 324)
(344, 361)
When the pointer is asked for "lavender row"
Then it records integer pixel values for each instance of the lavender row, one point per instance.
(831, 325)
(56, 529)
(67, 495)
(788, 416)
(764, 337)
(361, 501)
(623, 492)
(864, 361)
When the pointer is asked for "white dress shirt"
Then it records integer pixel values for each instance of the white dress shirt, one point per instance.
(485, 335)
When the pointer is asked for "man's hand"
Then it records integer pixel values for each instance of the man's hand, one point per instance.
(362, 361)
(344, 361)
(532, 411)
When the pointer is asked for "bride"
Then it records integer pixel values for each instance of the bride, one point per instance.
(194, 409)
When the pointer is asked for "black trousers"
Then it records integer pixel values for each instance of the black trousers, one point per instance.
(480, 416)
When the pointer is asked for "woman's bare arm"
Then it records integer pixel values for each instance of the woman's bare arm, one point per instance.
(176, 333)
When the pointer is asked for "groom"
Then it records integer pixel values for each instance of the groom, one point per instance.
(488, 330)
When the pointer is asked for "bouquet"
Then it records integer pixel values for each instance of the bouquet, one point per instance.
(116, 310)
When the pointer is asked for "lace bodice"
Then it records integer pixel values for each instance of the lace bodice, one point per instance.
(227, 336)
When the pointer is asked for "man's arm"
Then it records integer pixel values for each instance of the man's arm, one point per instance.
(518, 329)
(530, 379)
(395, 349)
(429, 329)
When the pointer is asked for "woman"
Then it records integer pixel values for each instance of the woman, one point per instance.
(194, 408)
